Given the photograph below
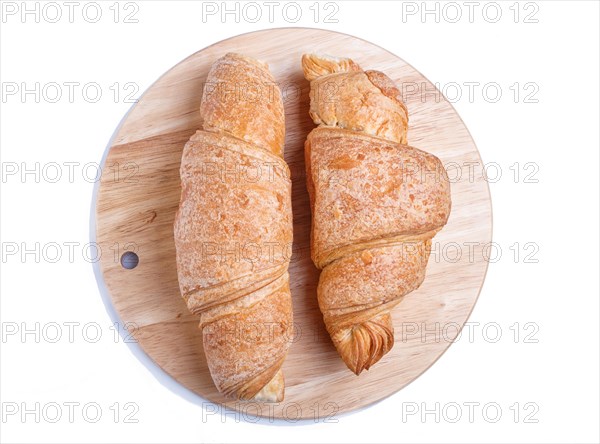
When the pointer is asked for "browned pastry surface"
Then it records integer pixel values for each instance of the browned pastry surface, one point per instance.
(376, 203)
(233, 230)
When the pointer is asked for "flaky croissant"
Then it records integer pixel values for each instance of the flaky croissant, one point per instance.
(233, 229)
(376, 204)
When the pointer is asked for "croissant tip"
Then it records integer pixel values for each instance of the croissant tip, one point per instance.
(273, 391)
(363, 345)
(317, 65)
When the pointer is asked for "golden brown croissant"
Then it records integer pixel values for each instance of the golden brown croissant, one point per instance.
(376, 203)
(233, 229)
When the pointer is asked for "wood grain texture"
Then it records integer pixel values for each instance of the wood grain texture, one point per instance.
(139, 194)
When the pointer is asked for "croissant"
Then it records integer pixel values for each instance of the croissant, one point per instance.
(233, 230)
(376, 204)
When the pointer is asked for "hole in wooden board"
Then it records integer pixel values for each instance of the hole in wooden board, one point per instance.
(129, 260)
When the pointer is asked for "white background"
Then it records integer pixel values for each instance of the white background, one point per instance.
(558, 375)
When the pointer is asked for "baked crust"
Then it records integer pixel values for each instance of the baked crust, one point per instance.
(233, 231)
(344, 96)
(376, 203)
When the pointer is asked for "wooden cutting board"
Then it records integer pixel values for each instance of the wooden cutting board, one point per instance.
(139, 194)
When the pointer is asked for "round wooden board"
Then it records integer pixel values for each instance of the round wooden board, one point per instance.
(139, 194)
